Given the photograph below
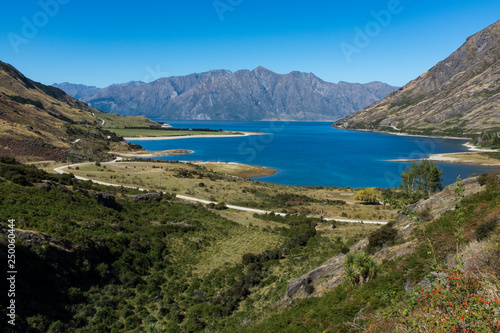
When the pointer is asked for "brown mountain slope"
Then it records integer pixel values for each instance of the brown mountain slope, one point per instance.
(460, 95)
(39, 122)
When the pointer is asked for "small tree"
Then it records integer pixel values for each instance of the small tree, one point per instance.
(421, 180)
(359, 267)
(368, 195)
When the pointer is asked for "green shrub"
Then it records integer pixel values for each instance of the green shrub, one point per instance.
(220, 206)
(484, 230)
(384, 235)
(459, 303)
(249, 258)
(359, 268)
(486, 178)
(57, 327)
(308, 286)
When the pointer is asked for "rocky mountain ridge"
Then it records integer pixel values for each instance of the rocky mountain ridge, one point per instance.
(259, 94)
(460, 95)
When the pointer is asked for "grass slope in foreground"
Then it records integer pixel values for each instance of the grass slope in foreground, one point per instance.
(116, 260)
(100, 259)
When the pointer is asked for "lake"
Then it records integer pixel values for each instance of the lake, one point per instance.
(316, 154)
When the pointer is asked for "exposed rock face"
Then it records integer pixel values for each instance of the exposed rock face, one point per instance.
(147, 197)
(106, 199)
(461, 94)
(332, 270)
(330, 274)
(30, 238)
(444, 201)
(243, 95)
(77, 91)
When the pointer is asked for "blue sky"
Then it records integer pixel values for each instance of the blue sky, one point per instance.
(104, 42)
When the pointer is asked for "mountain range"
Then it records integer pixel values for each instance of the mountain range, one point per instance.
(460, 95)
(244, 95)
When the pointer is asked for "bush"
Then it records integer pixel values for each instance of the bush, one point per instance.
(425, 214)
(484, 230)
(460, 303)
(57, 327)
(220, 205)
(359, 268)
(344, 249)
(38, 322)
(249, 258)
(384, 235)
(486, 178)
(308, 286)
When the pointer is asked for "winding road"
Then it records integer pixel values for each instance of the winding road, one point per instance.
(62, 170)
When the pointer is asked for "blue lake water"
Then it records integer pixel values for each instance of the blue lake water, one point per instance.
(316, 154)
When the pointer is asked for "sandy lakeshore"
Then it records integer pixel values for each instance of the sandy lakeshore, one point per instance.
(145, 153)
(475, 148)
(158, 138)
(473, 158)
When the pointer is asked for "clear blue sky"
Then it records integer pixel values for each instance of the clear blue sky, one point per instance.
(104, 42)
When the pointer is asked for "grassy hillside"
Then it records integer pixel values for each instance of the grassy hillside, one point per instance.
(99, 259)
(115, 261)
(201, 182)
(39, 122)
(448, 280)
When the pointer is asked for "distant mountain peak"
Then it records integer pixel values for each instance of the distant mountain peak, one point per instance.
(262, 69)
(260, 94)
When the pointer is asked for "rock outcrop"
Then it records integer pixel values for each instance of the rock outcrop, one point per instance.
(329, 275)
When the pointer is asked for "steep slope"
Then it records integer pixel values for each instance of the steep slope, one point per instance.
(461, 94)
(243, 95)
(39, 122)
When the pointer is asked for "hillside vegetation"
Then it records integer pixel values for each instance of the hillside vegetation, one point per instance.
(102, 259)
(39, 122)
(458, 97)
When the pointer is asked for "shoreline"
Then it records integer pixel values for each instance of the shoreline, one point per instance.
(259, 171)
(159, 153)
(406, 134)
(455, 158)
(195, 136)
(443, 157)
(473, 148)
